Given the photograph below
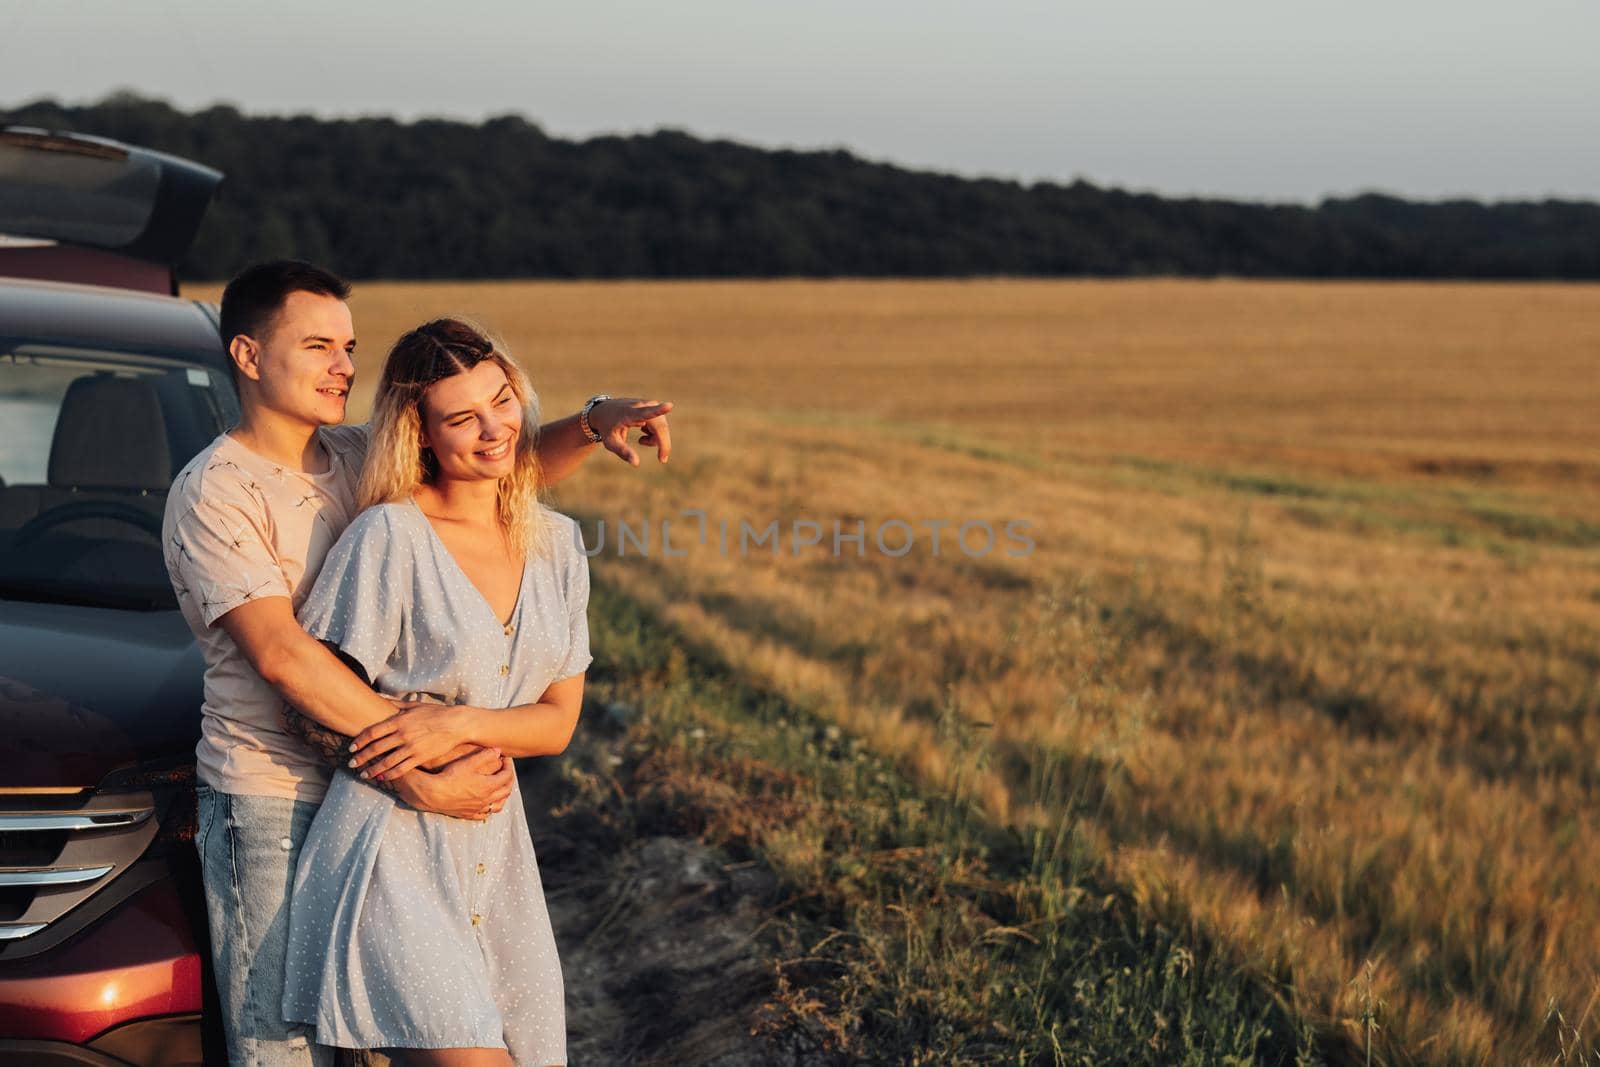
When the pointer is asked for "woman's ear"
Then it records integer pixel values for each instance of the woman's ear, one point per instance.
(422, 429)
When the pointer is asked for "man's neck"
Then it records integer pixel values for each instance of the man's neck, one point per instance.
(290, 443)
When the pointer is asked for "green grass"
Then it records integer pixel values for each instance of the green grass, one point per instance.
(915, 931)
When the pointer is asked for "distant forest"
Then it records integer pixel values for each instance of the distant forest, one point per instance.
(379, 198)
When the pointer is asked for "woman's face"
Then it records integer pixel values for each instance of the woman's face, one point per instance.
(472, 421)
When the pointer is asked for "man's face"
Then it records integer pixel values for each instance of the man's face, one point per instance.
(304, 366)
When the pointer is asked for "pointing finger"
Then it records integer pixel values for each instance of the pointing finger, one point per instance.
(646, 410)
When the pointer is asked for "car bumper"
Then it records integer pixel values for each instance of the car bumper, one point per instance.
(128, 989)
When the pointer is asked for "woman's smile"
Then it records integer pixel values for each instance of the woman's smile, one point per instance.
(499, 451)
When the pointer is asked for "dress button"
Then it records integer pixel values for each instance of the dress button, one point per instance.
(505, 669)
(476, 918)
(510, 630)
(481, 868)
(286, 844)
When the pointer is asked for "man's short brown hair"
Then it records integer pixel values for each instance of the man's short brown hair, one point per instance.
(257, 292)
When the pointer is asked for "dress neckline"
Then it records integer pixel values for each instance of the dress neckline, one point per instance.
(522, 584)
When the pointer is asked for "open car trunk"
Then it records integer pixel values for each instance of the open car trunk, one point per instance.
(92, 210)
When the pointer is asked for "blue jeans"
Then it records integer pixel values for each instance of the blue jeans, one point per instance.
(248, 850)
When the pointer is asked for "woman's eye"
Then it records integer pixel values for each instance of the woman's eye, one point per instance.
(503, 401)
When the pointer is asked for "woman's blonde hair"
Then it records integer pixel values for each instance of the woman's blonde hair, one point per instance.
(396, 461)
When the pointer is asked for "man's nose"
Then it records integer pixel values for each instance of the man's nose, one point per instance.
(345, 364)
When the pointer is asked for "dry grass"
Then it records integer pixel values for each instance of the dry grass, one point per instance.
(1316, 590)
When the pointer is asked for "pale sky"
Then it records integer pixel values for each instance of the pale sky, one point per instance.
(1258, 99)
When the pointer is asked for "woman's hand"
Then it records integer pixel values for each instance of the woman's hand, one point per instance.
(612, 419)
(419, 735)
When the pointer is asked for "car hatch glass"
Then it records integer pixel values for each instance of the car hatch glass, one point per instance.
(102, 199)
(89, 443)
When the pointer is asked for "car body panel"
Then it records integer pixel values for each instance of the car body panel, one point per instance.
(116, 320)
(66, 727)
(140, 960)
(49, 261)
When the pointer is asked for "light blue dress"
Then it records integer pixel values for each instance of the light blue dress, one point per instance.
(410, 929)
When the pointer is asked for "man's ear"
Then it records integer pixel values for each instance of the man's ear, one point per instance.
(246, 356)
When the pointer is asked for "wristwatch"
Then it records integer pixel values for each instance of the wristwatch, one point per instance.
(583, 418)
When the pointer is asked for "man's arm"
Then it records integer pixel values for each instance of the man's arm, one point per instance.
(335, 746)
(563, 447)
(308, 676)
(334, 704)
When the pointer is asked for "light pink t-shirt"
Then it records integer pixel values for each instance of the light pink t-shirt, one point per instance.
(241, 527)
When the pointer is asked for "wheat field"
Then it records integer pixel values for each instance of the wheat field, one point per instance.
(1312, 603)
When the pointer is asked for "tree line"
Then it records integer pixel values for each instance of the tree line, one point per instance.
(379, 198)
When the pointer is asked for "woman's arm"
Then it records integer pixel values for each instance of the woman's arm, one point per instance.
(563, 447)
(335, 747)
(541, 729)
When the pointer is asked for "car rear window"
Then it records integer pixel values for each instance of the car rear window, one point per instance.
(97, 195)
(89, 444)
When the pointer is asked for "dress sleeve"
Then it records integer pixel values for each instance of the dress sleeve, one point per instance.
(219, 550)
(576, 581)
(359, 597)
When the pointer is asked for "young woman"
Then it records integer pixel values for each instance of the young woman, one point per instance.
(456, 588)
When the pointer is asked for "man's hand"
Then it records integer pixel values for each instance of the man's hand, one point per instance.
(473, 787)
(418, 735)
(612, 419)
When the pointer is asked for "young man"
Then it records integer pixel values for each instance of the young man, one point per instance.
(248, 522)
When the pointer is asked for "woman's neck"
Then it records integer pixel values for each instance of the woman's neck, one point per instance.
(474, 501)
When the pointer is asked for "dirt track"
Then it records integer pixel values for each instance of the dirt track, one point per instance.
(658, 933)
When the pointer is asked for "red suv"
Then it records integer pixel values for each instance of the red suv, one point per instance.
(109, 383)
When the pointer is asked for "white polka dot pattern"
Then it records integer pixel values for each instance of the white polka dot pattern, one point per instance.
(410, 929)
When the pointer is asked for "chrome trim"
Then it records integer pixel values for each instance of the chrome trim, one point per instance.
(17, 931)
(43, 790)
(25, 821)
(53, 875)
